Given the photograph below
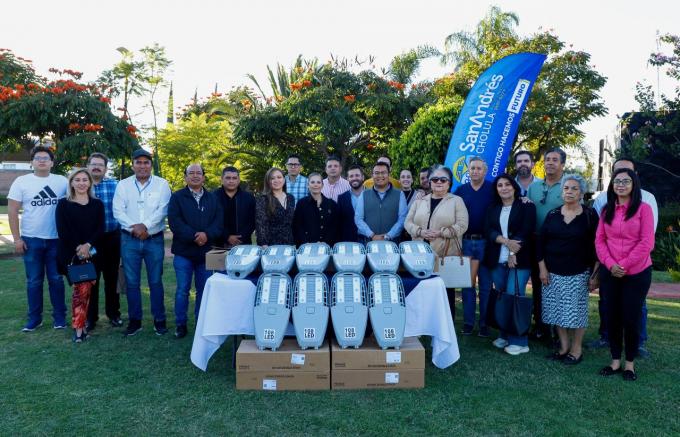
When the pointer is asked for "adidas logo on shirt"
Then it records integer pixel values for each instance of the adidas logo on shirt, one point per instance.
(45, 197)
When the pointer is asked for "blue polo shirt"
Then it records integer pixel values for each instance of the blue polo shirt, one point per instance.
(476, 203)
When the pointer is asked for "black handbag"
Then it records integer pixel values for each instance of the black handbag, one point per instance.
(494, 297)
(513, 312)
(82, 272)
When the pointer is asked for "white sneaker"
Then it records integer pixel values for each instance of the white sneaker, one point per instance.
(513, 349)
(500, 343)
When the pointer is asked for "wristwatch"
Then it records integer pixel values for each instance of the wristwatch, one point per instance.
(512, 253)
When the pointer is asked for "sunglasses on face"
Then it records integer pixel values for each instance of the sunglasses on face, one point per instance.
(438, 180)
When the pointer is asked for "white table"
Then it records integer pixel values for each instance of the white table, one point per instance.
(227, 309)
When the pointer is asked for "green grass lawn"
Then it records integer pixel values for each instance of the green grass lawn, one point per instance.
(146, 385)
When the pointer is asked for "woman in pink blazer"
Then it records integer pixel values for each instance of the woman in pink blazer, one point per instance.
(624, 242)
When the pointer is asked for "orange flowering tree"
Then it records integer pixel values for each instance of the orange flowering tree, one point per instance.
(76, 116)
(320, 110)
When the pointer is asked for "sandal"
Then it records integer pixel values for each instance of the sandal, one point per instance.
(571, 360)
(629, 375)
(608, 371)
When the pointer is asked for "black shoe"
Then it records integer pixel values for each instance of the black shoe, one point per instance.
(78, 338)
(116, 322)
(629, 375)
(571, 360)
(608, 371)
(159, 327)
(133, 327)
(89, 326)
(181, 331)
(483, 332)
(557, 356)
(467, 330)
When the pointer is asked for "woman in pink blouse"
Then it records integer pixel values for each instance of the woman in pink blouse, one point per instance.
(624, 242)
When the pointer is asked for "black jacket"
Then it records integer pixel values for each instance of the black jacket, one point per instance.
(313, 223)
(186, 217)
(348, 228)
(521, 226)
(245, 215)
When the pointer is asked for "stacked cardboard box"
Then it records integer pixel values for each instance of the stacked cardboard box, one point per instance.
(371, 367)
(287, 368)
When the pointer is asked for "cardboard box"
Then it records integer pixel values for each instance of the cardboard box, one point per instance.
(377, 379)
(214, 259)
(411, 355)
(288, 357)
(282, 380)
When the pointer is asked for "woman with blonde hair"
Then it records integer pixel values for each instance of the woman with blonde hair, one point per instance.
(274, 211)
(80, 225)
(439, 218)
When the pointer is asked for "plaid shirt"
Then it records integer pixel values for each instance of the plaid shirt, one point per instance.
(297, 189)
(104, 192)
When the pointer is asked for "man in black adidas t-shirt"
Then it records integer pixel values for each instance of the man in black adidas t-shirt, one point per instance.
(37, 195)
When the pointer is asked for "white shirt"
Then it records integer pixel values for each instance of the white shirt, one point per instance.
(504, 218)
(38, 197)
(601, 201)
(135, 203)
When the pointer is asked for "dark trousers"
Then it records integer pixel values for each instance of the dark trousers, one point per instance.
(625, 297)
(451, 294)
(107, 262)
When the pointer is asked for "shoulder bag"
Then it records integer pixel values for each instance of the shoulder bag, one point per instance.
(454, 270)
(82, 272)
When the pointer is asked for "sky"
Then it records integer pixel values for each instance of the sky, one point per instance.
(219, 42)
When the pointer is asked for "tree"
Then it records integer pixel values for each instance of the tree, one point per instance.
(652, 135)
(565, 95)
(195, 139)
(75, 116)
(317, 111)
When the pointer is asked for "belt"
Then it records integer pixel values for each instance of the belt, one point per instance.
(473, 236)
(126, 232)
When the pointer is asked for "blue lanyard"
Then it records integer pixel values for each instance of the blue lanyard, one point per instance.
(145, 186)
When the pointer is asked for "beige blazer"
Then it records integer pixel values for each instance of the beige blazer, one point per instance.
(450, 217)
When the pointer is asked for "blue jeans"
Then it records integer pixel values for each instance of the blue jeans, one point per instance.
(475, 249)
(184, 270)
(504, 279)
(40, 258)
(152, 251)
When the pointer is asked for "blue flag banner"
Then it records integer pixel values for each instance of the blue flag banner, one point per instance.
(488, 122)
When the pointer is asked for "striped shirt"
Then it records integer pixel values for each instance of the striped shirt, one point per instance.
(297, 189)
(104, 191)
(332, 191)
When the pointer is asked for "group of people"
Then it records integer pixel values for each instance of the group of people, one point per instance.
(513, 229)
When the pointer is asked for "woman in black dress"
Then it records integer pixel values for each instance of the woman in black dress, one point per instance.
(316, 216)
(566, 255)
(80, 226)
(274, 211)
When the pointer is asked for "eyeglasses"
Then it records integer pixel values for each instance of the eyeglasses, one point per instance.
(624, 182)
(292, 164)
(42, 158)
(438, 180)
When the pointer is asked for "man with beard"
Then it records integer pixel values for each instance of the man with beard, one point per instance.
(347, 202)
(108, 257)
(546, 195)
(524, 164)
(424, 178)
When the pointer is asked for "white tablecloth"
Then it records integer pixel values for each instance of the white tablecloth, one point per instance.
(427, 313)
(227, 309)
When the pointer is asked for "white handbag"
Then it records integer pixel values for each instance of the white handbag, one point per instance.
(454, 270)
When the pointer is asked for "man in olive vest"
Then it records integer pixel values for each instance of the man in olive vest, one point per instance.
(381, 210)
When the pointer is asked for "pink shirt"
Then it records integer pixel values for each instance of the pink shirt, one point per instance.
(332, 191)
(627, 243)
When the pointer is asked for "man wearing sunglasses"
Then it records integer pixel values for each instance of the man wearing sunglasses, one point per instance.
(599, 204)
(477, 196)
(546, 195)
